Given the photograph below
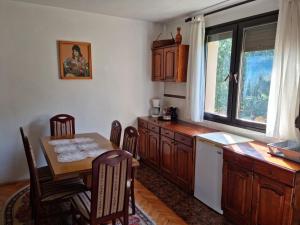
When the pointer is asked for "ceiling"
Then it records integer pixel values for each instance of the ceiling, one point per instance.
(148, 10)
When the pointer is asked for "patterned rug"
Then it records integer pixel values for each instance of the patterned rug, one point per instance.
(17, 211)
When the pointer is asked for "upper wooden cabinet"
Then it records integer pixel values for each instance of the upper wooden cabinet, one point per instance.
(169, 63)
(157, 64)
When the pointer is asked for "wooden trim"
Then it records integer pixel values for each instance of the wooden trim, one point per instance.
(174, 96)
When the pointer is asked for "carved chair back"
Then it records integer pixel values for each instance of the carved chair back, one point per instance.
(115, 133)
(111, 173)
(62, 125)
(130, 140)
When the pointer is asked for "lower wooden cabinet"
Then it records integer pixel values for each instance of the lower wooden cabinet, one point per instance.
(250, 197)
(183, 165)
(143, 143)
(169, 152)
(237, 193)
(167, 156)
(271, 203)
(153, 151)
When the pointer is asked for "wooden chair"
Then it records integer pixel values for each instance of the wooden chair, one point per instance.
(108, 199)
(44, 172)
(115, 133)
(48, 192)
(130, 141)
(62, 125)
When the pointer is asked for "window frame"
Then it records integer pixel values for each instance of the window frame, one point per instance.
(237, 28)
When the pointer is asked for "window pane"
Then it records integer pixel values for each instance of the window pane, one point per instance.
(218, 61)
(255, 72)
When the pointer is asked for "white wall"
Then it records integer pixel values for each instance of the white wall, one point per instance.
(243, 11)
(31, 91)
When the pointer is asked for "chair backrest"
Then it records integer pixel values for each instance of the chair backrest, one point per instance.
(22, 135)
(34, 179)
(130, 140)
(62, 125)
(111, 175)
(115, 132)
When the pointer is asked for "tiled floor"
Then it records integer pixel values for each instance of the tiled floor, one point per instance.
(186, 206)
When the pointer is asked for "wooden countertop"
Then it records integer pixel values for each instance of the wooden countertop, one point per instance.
(256, 150)
(259, 151)
(179, 126)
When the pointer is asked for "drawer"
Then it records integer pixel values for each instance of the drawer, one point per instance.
(167, 133)
(153, 128)
(274, 172)
(142, 123)
(187, 140)
(238, 159)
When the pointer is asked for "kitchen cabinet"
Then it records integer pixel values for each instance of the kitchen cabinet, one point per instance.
(169, 150)
(153, 144)
(271, 202)
(259, 189)
(143, 142)
(183, 165)
(237, 193)
(158, 64)
(169, 63)
(167, 156)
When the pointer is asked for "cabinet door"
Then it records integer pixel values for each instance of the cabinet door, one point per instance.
(170, 63)
(167, 156)
(143, 143)
(237, 193)
(157, 64)
(271, 202)
(184, 166)
(153, 148)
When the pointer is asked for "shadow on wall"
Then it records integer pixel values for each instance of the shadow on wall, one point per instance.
(38, 128)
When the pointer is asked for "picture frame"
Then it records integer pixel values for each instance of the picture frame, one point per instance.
(75, 60)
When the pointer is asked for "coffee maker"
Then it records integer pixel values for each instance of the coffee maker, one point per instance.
(155, 110)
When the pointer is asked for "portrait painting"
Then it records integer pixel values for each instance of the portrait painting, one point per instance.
(75, 60)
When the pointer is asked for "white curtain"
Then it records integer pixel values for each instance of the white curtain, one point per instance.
(284, 102)
(196, 71)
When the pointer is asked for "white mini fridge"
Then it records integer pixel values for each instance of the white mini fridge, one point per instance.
(209, 166)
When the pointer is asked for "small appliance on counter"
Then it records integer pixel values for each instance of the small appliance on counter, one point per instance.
(169, 114)
(286, 149)
(155, 110)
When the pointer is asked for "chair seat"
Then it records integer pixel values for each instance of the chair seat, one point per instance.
(82, 203)
(44, 174)
(59, 190)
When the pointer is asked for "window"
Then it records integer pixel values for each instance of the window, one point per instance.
(239, 60)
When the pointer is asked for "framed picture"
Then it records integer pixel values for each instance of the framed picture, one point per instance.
(75, 60)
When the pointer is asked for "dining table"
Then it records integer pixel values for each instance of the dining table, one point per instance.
(64, 170)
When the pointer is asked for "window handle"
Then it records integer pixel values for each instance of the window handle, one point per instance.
(228, 76)
(236, 78)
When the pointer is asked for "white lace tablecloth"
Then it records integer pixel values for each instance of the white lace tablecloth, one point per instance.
(70, 150)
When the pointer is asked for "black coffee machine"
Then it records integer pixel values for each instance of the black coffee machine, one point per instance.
(173, 113)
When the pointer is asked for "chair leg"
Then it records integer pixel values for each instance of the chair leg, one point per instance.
(132, 197)
(126, 221)
(37, 219)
